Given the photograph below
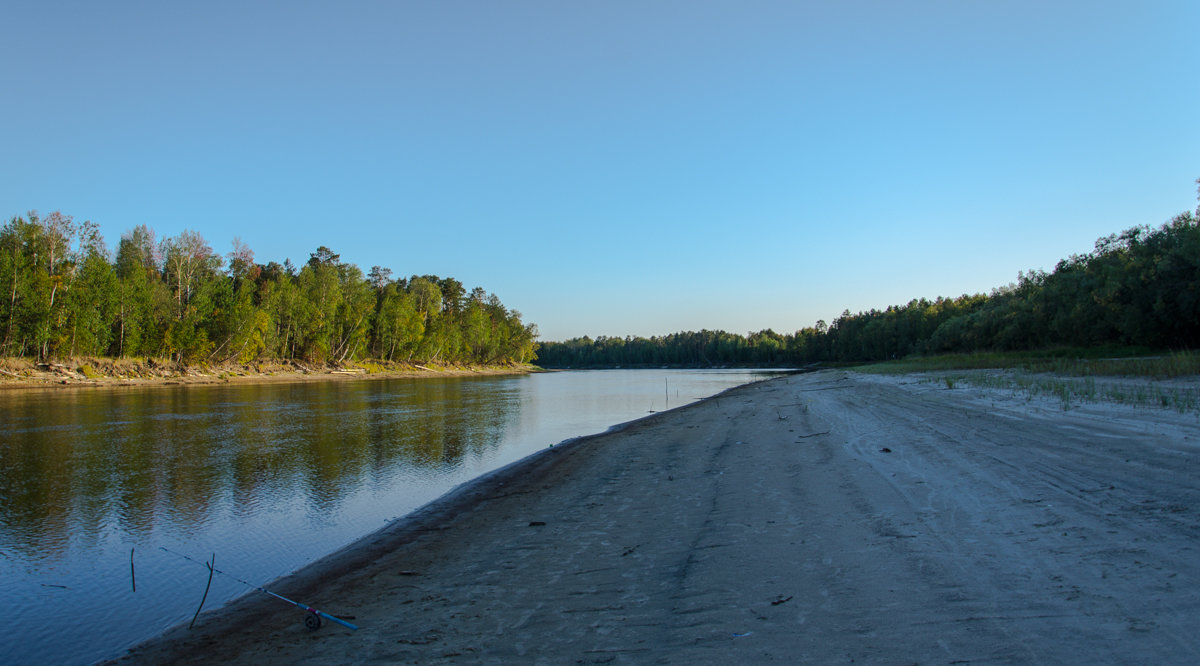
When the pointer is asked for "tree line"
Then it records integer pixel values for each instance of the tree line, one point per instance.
(1138, 288)
(62, 295)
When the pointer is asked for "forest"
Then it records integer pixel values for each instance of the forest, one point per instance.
(62, 296)
(1138, 288)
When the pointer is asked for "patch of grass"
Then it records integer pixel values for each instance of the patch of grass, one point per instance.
(88, 371)
(1071, 377)
(1072, 391)
(1074, 362)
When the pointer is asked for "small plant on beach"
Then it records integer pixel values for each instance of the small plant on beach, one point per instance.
(88, 371)
(1085, 363)
(1071, 392)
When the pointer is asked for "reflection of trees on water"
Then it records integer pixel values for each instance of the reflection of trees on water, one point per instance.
(74, 465)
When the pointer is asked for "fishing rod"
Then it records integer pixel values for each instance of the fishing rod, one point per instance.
(312, 621)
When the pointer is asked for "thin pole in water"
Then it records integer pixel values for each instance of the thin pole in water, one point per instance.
(264, 590)
(205, 597)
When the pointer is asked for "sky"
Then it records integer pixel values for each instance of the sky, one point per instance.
(619, 167)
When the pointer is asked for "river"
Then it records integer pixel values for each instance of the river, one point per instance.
(96, 486)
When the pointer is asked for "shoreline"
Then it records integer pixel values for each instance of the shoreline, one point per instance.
(24, 375)
(367, 550)
(175, 643)
(822, 518)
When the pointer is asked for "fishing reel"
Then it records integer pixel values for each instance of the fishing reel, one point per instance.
(312, 621)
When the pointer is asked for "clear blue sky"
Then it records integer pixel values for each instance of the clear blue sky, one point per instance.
(616, 168)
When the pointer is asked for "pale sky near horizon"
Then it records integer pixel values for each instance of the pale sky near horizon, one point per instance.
(616, 168)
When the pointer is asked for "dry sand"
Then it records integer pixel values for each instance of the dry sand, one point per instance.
(824, 518)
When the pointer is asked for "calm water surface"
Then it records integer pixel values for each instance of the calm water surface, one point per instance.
(265, 477)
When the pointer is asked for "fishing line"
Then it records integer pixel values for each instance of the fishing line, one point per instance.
(313, 621)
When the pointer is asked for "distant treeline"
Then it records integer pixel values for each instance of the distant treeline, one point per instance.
(62, 296)
(1137, 288)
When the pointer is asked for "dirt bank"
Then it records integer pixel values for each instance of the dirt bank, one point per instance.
(824, 518)
(101, 373)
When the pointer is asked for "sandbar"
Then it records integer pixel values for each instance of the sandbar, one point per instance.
(831, 517)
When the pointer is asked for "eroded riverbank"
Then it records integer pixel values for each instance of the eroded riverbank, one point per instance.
(18, 374)
(819, 518)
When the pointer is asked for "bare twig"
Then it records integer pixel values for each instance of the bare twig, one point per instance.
(210, 566)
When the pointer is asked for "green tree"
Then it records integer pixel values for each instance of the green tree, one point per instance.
(398, 325)
(239, 323)
(18, 240)
(285, 309)
(92, 297)
(320, 287)
(354, 315)
(192, 271)
(144, 304)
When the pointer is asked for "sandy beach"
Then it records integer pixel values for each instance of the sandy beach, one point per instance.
(832, 517)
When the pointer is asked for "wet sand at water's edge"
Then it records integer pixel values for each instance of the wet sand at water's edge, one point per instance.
(819, 518)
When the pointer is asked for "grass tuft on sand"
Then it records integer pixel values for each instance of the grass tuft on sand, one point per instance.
(1069, 379)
